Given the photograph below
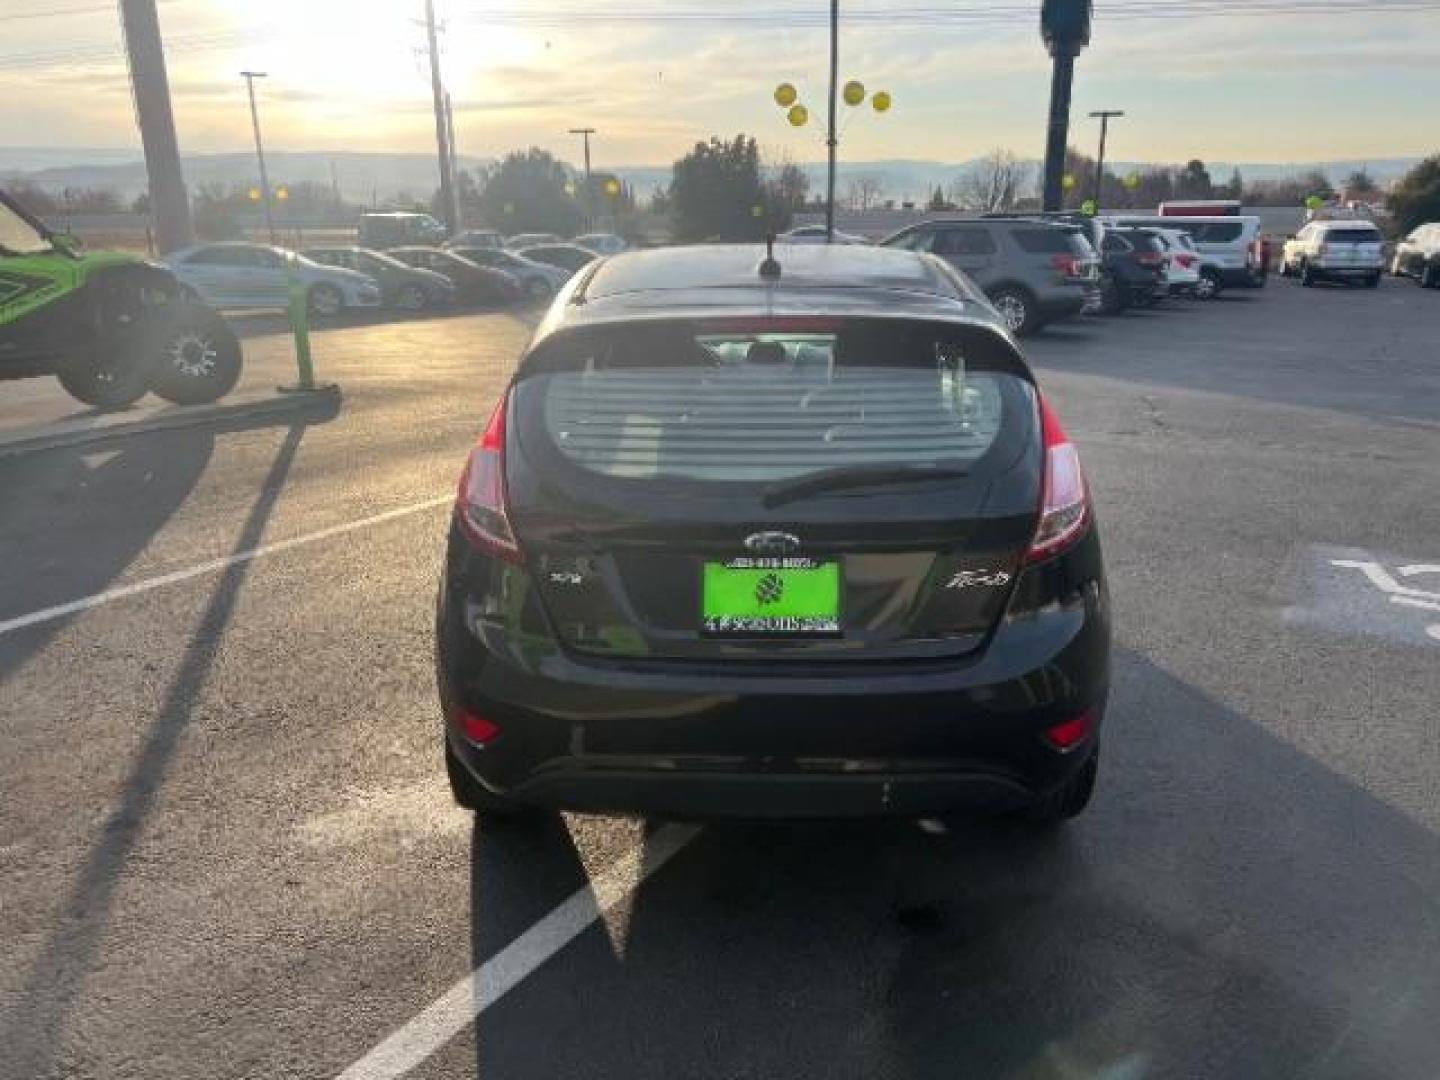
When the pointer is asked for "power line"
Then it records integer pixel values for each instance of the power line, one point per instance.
(60, 13)
(908, 17)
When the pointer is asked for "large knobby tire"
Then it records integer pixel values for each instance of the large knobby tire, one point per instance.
(325, 300)
(198, 357)
(1018, 309)
(470, 794)
(108, 378)
(1070, 799)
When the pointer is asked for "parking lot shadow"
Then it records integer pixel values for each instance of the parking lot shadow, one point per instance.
(150, 477)
(1228, 908)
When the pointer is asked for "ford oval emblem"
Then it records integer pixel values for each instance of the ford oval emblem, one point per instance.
(772, 543)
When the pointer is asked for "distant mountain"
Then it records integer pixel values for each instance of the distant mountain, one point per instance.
(381, 177)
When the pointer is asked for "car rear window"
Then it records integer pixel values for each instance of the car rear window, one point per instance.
(1052, 241)
(1216, 232)
(741, 405)
(1351, 236)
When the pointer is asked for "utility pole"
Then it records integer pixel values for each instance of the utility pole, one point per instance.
(1104, 115)
(830, 140)
(250, 77)
(585, 133)
(1065, 29)
(169, 201)
(454, 160)
(442, 128)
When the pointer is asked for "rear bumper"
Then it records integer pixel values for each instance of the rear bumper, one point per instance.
(1241, 277)
(1347, 269)
(704, 739)
(698, 793)
(1068, 305)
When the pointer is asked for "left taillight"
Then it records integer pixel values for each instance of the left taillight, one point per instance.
(481, 507)
(1065, 512)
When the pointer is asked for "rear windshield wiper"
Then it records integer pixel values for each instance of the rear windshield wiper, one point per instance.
(848, 476)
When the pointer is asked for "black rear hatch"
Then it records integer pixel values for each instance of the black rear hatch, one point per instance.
(774, 488)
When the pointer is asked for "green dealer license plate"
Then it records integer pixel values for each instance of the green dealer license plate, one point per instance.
(751, 596)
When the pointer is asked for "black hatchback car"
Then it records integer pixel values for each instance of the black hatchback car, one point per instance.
(798, 543)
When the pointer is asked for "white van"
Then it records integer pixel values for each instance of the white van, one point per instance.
(1230, 248)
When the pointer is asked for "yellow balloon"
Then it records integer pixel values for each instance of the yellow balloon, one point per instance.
(881, 101)
(1067, 181)
(798, 115)
(612, 186)
(1132, 181)
(854, 92)
(785, 95)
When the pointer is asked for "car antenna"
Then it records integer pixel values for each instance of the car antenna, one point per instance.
(770, 268)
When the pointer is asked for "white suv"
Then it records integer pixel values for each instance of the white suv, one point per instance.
(1418, 256)
(1339, 250)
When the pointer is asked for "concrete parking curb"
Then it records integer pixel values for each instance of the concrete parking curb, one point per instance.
(95, 428)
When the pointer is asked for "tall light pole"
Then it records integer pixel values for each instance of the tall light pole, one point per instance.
(169, 202)
(1065, 29)
(250, 77)
(585, 133)
(1104, 115)
(830, 140)
(442, 128)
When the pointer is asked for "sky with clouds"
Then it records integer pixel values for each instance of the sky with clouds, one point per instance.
(1206, 80)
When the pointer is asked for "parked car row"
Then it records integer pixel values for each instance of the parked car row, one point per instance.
(1042, 268)
(411, 277)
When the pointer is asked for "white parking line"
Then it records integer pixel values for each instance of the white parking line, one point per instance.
(489, 982)
(59, 611)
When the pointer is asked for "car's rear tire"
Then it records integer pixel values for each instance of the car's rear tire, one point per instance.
(1070, 799)
(1373, 281)
(1430, 276)
(1018, 309)
(1209, 286)
(1112, 296)
(470, 794)
(197, 356)
(1307, 275)
(412, 298)
(325, 301)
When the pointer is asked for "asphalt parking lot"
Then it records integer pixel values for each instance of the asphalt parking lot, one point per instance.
(227, 849)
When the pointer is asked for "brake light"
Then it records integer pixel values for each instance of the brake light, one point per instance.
(1065, 504)
(481, 506)
(1069, 265)
(1186, 261)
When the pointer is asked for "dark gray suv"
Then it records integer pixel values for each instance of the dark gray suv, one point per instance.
(1034, 272)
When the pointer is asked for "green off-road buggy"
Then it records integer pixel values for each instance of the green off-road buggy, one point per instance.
(108, 325)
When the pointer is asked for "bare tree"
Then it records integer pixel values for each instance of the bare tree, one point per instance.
(994, 184)
(864, 191)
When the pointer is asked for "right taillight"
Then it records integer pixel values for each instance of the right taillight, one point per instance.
(1069, 265)
(481, 505)
(1065, 505)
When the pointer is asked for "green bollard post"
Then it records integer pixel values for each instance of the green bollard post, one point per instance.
(300, 328)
